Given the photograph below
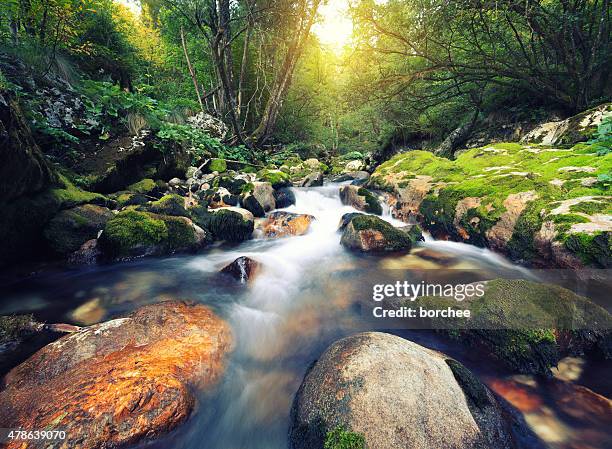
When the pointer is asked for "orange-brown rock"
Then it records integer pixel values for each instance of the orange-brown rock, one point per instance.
(120, 381)
(283, 224)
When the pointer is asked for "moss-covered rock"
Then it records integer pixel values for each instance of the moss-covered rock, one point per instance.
(528, 201)
(133, 233)
(232, 184)
(368, 233)
(361, 199)
(231, 224)
(275, 177)
(144, 186)
(527, 325)
(125, 199)
(23, 220)
(70, 228)
(218, 165)
(168, 205)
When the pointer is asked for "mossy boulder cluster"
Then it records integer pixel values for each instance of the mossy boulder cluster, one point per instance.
(133, 233)
(527, 326)
(542, 205)
(70, 228)
(370, 234)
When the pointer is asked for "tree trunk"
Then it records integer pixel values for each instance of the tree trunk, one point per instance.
(191, 71)
(285, 74)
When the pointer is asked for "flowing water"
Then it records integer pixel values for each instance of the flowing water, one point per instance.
(303, 300)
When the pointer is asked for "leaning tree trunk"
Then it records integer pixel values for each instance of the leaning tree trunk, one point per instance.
(285, 74)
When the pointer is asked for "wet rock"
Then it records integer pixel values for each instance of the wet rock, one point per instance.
(361, 199)
(232, 184)
(231, 224)
(578, 128)
(353, 166)
(346, 219)
(352, 176)
(314, 179)
(440, 258)
(87, 254)
(221, 198)
(250, 203)
(243, 269)
(88, 313)
(284, 197)
(71, 228)
(258, 197)
(118, 382)
(527, 326)
(264, 194)
(126, 198)
(395, 394)
(368, 233)
(133, 234)
(284, 224)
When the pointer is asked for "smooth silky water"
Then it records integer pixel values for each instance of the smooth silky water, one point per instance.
(303, 300)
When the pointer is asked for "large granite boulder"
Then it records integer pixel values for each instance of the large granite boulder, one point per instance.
(395, 394)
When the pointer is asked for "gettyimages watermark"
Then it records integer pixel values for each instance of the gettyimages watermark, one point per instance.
(460, 299)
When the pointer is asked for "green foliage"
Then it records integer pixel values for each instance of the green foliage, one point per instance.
(339, 438)
(602, 139)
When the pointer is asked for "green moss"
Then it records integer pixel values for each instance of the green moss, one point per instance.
(125, 199)
(248, 187)
(339, 438)
(522, 245)
(492, 173)
(144, 186)
(131, 233)
(518, 321)
(218, 165)
(373, 205)
(588, 207)
(275, 177)
(181, 235)
(223, 224)
(69, 195)
(595, 249)
(168, 205)
(397, 239)
(69, 229)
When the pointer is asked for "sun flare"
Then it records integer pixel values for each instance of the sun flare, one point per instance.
(334, 27)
